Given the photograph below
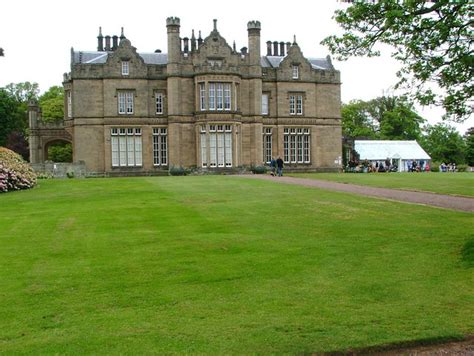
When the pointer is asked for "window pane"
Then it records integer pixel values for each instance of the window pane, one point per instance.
(292, 104)
(265, 104)
(220, 99)
(203, 149)
(212, 96)
(159, 103)
(228, 149)
(227, 96)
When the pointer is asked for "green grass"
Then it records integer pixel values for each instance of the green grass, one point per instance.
(442, 183)
(222, 264)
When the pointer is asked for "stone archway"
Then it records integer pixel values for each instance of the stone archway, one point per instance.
(54, 142)
(43, 134)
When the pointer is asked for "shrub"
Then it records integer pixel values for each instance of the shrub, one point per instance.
(258, 169)
(178, 171)
(15, 173)
(462, 168)
(434, 167)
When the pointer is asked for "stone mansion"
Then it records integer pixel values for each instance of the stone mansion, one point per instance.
(203, 104)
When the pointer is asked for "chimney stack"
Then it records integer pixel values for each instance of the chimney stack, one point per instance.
(200, 40)
(193, 42)
(269, 48)
(107, 43)
(114, 42)
(275, 48)
(186, 44)
(100, 41)
(282, 49)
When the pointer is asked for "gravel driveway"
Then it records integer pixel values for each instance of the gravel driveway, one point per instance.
(439, 200)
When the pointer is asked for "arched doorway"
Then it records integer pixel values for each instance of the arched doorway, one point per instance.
(58, 150)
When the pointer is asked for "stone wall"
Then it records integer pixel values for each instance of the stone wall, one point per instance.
(61, 170)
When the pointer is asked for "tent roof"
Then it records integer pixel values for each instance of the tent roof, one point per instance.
(380, 150)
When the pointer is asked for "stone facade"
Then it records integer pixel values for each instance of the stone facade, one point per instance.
(200, 105)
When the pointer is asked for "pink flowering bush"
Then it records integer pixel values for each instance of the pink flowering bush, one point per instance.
(15, 173)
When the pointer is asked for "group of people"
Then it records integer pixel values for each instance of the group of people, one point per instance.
(450, 167)
(277, 167)
(414, 166)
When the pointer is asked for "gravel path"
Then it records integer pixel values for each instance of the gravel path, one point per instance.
(439, 200)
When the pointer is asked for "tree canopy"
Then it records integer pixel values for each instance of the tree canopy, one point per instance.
(386, 117)
(52, 104)
(432, 40)
(444, 144)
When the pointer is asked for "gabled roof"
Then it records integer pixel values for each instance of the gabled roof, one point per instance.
(380, 150)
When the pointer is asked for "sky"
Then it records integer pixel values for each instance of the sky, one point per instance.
(37, 36)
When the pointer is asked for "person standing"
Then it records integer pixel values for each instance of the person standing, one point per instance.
(279, 166)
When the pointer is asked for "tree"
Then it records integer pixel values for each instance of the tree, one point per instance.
(60, 152)
(11, 118)
(357, 121)
(52, 104)
(432, 40)
(444, 144)
(386, 117)
(23, 92)
(469, 140)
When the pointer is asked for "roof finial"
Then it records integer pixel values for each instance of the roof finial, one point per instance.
(192, 36)
(100, 31)
(215, 24)
(294, 40)
(122, 36)
(233, 47)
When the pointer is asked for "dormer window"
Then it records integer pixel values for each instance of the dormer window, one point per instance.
(125, 68)
(295, 72)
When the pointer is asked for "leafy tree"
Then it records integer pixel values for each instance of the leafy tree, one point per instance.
(402, 123)
(60, 152)
(52, 104)
(444, 143)
(11, 116)
(23, 92)
(469, 140)
(357, 121)
(386, 117)
(432, 40)
(18, 142)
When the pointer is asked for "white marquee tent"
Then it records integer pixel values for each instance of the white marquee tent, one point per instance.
(401, 153)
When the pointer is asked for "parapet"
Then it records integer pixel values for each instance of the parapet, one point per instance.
(172, 21)
(254, 25)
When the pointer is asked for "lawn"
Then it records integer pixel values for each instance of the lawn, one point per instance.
(442, 183)
(221, 264)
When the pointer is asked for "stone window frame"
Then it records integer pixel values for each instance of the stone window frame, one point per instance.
(267, 113)
(297, 145)
(160, 146)
(295, 98)
(126, 147)
(125, 65)
(127, 94)
(161, 93)
(216, 145)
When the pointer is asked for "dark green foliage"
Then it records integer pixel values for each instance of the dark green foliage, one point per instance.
(258, 169)
(386, 117)
(178, 171)
(469, 140)
(52, 104)
(444, 144)
(432, 41)
(60, 152)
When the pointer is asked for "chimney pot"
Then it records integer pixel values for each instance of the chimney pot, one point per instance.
(275, 48)
(269, 48)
